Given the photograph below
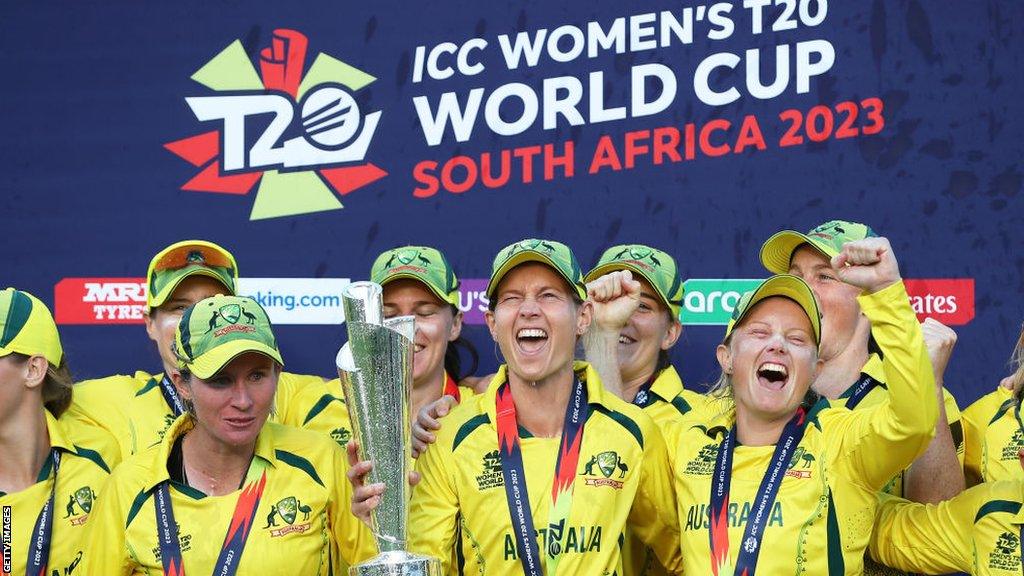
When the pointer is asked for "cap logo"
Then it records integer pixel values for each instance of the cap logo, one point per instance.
(638, 254)
(535, 245)
(407, 256)
(195, 257)
(230, 313)
(829, 230)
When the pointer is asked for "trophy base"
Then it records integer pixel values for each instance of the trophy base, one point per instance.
(397, 564)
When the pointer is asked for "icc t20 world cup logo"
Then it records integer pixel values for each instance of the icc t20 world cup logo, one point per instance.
(310, 143)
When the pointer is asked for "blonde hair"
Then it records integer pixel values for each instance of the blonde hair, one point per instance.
(1017, 362)
(57, 384)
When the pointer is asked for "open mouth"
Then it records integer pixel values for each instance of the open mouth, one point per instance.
(772, 375)
(240, 422)
(531, 339)
(418, 347)
(623, 339)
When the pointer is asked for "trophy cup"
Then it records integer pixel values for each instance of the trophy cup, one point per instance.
(375, 367)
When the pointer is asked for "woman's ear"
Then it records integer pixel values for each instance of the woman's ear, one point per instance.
(724, 356)
(35, 371)
(183, 387)
(456, 330)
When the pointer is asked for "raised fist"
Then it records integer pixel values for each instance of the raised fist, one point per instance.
(615, 296)
(868, 264)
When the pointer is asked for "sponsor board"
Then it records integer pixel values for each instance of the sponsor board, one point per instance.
(711, 301)
(473, 300)
(123, 300)
(948, 300)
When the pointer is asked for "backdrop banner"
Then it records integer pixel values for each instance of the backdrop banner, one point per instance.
(309, 137)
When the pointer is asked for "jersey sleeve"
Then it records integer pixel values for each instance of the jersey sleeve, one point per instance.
(354, 540)
(433, 514)
(956, 425)
(879, 442)
(654, 516)
(928, 538)
(104, 550)
(975, 420)
(100, 403)
(290, 388)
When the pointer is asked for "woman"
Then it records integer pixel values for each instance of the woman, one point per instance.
(994, 430)
(50, 471)
(272, 491)
(542, 472)
(977, 532)
(417, 281)
(637, 295)
(138, 409)
(852, 373)
(781, 471)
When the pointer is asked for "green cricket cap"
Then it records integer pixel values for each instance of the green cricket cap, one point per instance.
(554, 254)
(656, 267)
(218, 329)
(828, 238)
(421, 263)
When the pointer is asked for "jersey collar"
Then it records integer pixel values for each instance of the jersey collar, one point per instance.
(58, 434)
(874, 367)
(596, 393)
(668, 384)
(158, 472)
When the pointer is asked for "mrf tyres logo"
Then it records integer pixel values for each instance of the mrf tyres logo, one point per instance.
(297, 135)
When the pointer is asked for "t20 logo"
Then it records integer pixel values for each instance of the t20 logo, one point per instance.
(312, 150)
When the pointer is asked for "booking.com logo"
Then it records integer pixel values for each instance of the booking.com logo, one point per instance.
(290, 301)
(314, 146)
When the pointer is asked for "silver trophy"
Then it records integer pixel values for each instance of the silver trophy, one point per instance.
(375, 367)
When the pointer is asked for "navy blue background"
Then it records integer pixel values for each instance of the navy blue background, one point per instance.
(92, 91)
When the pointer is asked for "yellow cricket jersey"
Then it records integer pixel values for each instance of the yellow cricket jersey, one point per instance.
(978, 532)
(994, 437)
(133, 408)
(875, 368)
(668, 401)
(321, 407)
(87, 457)
(821, 521)
(301, 526)
(622, 477)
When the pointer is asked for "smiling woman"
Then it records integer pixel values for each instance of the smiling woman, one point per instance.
(541, 473)
(222, 468)
(781, 469)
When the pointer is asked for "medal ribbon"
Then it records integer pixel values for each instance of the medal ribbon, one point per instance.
(451, 388)
(860, 390)
(561, 490)
(764, 500)
(234, 540)
(42, 534)
(171, 396)
(643, 396)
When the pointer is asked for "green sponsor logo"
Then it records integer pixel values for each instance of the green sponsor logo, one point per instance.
(710, 302)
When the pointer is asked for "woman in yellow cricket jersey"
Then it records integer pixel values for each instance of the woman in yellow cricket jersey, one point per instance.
(542, 472)
(139, 409)
(51, 472)
(978, 532)
(226, 491)
(637, 295)
(417, 281)
(995, 433)
(852, 372)
(784, 484)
